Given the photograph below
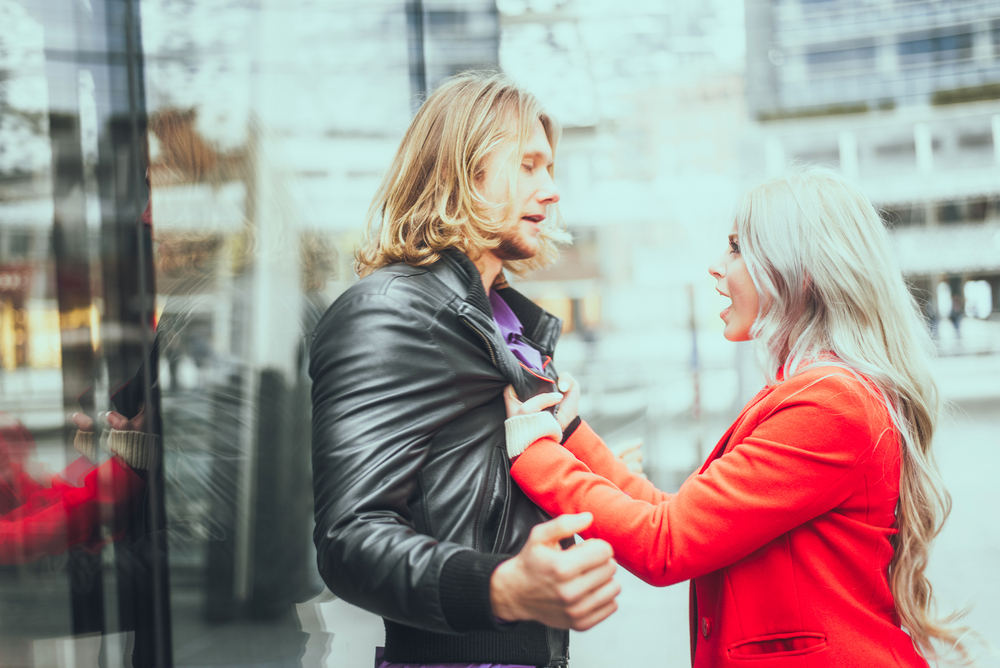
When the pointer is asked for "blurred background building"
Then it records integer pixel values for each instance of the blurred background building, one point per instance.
(268, 126)
(904, 98)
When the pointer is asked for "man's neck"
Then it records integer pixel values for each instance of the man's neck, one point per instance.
(489, 266)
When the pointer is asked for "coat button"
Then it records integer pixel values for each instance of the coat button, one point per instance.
(706, 627)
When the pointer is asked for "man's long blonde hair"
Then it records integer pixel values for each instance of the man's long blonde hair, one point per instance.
(430, 199)
(820, 258)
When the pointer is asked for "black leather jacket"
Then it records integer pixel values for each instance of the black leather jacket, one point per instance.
(414, 501)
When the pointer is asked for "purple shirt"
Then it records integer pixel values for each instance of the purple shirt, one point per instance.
(513, 332)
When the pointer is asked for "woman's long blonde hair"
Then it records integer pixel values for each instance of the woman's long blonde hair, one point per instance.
(820, 258)
(430, 199)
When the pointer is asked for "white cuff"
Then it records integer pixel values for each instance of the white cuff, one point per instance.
(139, 449)
(523, 430)
(84, 444)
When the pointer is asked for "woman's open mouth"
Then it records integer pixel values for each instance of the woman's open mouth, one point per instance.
(729, 306)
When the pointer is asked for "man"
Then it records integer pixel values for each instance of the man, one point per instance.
(417, 518)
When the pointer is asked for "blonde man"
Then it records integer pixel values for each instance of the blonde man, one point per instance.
(417, 519)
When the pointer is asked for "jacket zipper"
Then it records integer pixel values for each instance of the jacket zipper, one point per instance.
(502, 529)
(489, 346)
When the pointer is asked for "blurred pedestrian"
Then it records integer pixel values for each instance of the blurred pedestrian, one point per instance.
(416, 516)
(957, 313)
(806, 532)
(930, 311)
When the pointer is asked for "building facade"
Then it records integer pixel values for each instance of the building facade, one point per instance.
(904, 98)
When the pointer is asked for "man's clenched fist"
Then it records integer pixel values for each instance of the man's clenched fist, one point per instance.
(568, 589)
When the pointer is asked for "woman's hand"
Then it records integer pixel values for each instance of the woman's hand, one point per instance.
(536, 404)
(568, 399)
(115, 420)
(82, 421)
(569, 407)
(119, 422)
(630, 452)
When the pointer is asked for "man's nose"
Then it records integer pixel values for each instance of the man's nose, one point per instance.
(548, 193)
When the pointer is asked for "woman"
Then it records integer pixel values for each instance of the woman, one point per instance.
(806, 532)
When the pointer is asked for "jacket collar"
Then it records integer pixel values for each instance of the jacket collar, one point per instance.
(459, 273)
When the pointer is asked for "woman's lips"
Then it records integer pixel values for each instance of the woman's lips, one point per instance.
(728, 308)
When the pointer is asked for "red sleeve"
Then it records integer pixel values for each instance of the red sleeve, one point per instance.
(73, 517)
(799, 462)
(588, 447)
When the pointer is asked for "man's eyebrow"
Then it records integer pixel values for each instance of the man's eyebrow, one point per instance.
(538, 155)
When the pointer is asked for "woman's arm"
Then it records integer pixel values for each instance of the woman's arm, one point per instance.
(526, 423)
(798, 463)
(590, 449)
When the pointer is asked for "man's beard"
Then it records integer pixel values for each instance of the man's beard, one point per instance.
(514, 247)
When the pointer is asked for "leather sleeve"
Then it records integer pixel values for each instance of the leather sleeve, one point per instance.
(381, 389)
(801, 461)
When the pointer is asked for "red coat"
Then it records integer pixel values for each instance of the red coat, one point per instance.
(784, 531)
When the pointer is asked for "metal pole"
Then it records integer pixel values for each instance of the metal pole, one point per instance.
(695, 375)
(418, 64)
(163, 650)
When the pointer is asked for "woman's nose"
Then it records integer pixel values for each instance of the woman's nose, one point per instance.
(717, 269)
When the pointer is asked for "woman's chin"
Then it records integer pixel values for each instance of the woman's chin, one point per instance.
(735, 335)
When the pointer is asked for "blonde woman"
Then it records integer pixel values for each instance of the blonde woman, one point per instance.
(806, 531)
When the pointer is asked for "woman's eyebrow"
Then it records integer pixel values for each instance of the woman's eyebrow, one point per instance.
(732, 237)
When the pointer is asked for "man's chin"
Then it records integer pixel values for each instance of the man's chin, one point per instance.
(510, 251)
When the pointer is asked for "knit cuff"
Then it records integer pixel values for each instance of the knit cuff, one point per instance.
(523, 430)
(465, 590)
(139, 449)
(84, 444)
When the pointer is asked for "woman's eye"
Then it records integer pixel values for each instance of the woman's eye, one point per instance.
(528, 166)
(735, 246)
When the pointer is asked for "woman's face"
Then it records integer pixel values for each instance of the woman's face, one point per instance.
(733, 281)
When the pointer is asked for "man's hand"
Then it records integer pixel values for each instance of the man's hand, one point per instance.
(567, 589)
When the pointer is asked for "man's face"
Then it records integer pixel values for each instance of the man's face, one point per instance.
(534, 191)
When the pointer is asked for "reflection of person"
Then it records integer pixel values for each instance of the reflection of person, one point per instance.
(417, 518)
(807, 530)
(41, 519)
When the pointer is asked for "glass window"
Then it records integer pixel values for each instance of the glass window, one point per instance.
(841, 59)
(934, 47)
